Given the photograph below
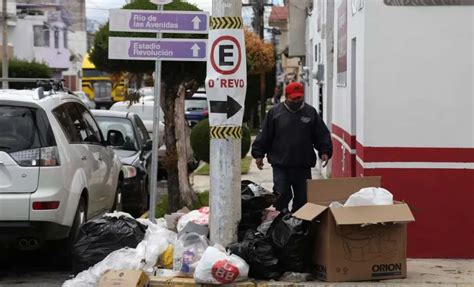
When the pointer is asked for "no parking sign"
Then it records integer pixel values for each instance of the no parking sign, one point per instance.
(226, 82)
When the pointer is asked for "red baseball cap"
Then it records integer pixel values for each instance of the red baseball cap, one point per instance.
(294, 91)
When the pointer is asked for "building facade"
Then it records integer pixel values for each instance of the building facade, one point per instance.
(52, 32)
(394, 82)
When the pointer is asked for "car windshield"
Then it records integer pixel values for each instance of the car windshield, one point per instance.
(144, 110)
(122, 125)
(195, 105)
(17, 129)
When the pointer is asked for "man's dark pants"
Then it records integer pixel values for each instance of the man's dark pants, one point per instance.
(284, 179)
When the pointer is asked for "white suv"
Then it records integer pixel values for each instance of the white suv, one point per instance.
(56, 170)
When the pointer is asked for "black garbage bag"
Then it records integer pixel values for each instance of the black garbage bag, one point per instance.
(290, 238)
(257, 251)
(255, 197)
(100, 237)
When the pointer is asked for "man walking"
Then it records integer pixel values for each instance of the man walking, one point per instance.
(290, 133)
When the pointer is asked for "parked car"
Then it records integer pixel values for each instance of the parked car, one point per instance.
(85, 99)
(56, 169)
(135, 155)
(144, 109)
(195, 107)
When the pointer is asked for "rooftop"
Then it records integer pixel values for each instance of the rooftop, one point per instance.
(279, 13)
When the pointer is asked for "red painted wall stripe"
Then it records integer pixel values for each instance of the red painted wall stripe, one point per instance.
(415, 154)
(405, 154)
(349, 139)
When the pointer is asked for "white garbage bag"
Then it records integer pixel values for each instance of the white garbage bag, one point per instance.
(370, 196)
(143, 257)
(217, 267)
(199, 216)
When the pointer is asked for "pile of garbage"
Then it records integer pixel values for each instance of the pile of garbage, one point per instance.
(271, 245)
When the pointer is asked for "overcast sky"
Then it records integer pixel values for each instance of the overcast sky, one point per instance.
(98, 9)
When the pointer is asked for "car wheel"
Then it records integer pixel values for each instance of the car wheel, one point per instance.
(79, 219)
(64, 248)
(118, 198)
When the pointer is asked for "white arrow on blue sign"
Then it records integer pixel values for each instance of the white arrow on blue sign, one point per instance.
(159, 21)
(121, 48)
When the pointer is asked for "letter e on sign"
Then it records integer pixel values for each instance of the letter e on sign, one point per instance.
(226, 55)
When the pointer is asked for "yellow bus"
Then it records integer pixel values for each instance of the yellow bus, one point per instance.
(99, 87)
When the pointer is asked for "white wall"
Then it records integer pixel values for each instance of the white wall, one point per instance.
(342, 102)
(23, 40)
(418, 76)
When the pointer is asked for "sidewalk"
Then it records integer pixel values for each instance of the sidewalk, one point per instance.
(421, 272)
(262, 177)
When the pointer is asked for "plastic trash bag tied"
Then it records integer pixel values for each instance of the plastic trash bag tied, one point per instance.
(257, 251)
(99, 237)
(370, 196)
(290, 239)
(217, 267)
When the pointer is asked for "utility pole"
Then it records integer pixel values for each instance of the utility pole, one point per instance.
(4, 45)
(225, 195)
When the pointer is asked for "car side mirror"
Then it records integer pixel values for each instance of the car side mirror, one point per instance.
(148, 145)
(115, 138)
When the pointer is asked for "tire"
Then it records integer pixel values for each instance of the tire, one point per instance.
(64, 248)
(118, 197)
(79, 219)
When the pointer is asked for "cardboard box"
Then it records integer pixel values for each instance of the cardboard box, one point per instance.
(124, 278)
(355, 243)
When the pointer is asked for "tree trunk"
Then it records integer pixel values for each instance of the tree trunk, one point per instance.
(263, 98)
(187, 195)
(171, 158)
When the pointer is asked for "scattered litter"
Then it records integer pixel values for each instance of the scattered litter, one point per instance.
(294, 277)
(290, 239)
(217, 267)
(143, 257)
(200, 216)
(187, 252)
(257, 251)
(255, 199)
(172, 219)
(99, 237)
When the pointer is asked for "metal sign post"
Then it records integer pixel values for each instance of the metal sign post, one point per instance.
(226, 85)
(160, 50)
(156, 137)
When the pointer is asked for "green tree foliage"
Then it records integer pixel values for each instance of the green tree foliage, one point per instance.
(99, 53)
(174, 75)
(200, 140)
(26, 69)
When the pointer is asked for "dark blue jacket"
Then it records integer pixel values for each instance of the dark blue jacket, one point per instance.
(289, 138)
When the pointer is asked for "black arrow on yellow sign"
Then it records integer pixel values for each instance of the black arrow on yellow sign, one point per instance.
(229, 107)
